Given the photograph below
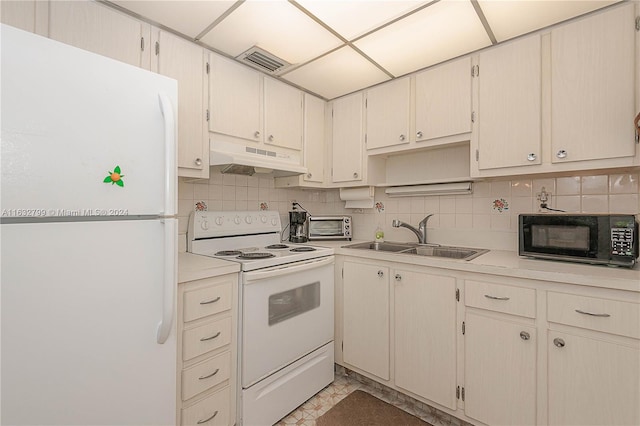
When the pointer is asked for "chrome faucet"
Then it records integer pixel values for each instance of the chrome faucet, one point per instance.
(421, 232)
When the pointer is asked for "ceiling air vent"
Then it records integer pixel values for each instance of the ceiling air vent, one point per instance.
(263, 60)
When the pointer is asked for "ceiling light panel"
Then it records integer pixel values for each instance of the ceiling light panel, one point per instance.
(184, 16)
(353, 18)
(511, 18)
(336, 74)
(276, 26)
(439, 32)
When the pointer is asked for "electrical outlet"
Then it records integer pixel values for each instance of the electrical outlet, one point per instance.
(544, 198)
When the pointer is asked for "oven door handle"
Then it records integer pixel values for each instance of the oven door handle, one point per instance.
(286, 269)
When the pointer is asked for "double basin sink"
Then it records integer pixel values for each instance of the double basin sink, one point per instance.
(462, 253)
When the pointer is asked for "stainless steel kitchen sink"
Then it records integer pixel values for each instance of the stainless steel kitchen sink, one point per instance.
(463, 253)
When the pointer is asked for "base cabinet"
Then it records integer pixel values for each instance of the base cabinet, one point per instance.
(500, 371)
(366, 318)
(425, 335)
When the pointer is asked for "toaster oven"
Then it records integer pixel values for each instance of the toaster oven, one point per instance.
(329, 228)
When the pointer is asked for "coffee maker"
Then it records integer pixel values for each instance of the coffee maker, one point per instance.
(297, 226)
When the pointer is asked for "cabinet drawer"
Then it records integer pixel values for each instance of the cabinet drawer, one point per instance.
(214, 409)
(501, 298)
(206, 301)
(609, 316)
(207, 337)
(205, 375)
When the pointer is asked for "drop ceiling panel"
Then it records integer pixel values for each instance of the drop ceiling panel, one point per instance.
(276, 26)
(336, 74)
(184, 16)
(439, 32)
(509, 19)
(354, 18)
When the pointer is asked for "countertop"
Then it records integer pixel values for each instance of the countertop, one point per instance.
(508, 263)
(194, 267)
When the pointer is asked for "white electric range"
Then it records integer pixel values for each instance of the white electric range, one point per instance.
(285, 310)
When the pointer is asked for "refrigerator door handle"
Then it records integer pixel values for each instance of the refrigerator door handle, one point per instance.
(170, 279)
(170, 155)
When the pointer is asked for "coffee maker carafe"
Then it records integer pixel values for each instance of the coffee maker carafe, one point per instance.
(297, 226)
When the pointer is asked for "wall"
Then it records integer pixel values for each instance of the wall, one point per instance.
(487, 218)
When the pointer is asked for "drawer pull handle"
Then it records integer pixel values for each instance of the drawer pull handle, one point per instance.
(204, 339)
(208, 302)
(210, 375)
(592, 314)
(204, 421)
(488, 296)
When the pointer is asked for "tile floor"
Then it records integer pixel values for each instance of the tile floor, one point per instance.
(346, 382)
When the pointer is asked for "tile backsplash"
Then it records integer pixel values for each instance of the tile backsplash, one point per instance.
(487, 218)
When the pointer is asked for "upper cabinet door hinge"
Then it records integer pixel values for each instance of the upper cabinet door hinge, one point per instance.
(207, 115)
(473, 116)
(638, 23)
(157, 48)
(477, 154)
(464, 328)
(457, 294)
(463, 393)
(458, 392)
(342, 268)
(475, 70)
(208, 67)
(142, 44)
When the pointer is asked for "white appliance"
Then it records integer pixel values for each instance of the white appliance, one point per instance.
(89, 238)
(286, 310)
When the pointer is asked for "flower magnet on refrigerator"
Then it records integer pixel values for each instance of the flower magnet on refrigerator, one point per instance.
(115, 177)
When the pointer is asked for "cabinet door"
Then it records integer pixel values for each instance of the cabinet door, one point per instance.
(509, 102)
(500, 371)
(443, 100)
(282, 115)
(592, 381)
(425, 335)
(314, 138)
(347, 139)
(388, 114)
(99, 29)
(366, 318)
(592, 81)
(234, 99)
(185, 62)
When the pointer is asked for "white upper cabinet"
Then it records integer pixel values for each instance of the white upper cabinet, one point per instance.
(509, 104)
(592, 80)
(314, 146)
(443, 100)
(387, 109)
(186, 62)
(235, 100)
(282, 115)
(100, 29)
(348, 140)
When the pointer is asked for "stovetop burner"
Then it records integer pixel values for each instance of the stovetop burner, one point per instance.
(256, 255)
(228, 253)
(299, 249)
(277, 246)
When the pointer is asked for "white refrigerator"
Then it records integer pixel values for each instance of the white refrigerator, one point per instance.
(88, 238)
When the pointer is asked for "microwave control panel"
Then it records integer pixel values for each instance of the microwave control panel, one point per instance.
(622, 241)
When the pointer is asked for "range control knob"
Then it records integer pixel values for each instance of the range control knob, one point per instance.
(263, 219)
(237, 220)
(248, 219)
(274, 221)
(219, 220)
(204, 225)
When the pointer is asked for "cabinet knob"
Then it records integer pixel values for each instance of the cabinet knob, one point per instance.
(524, 335)
(419, 135)
(561, 154)
(532, 157)
(398, 277)
(355, 175)
(257, 134)
(271, 138)
(558, 342)
(380, 274)
(198, 162)
(402, 137)
(309, 175)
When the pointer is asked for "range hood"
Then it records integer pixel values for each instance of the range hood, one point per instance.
(245, 160)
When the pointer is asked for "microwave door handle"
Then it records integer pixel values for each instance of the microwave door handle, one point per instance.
(286, 270)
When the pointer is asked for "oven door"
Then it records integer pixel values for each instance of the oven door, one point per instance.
(287, 312)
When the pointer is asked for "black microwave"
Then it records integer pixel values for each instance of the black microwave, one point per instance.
(609, 239)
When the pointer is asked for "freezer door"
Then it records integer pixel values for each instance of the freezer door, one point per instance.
(70, 120)
(81, 308)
